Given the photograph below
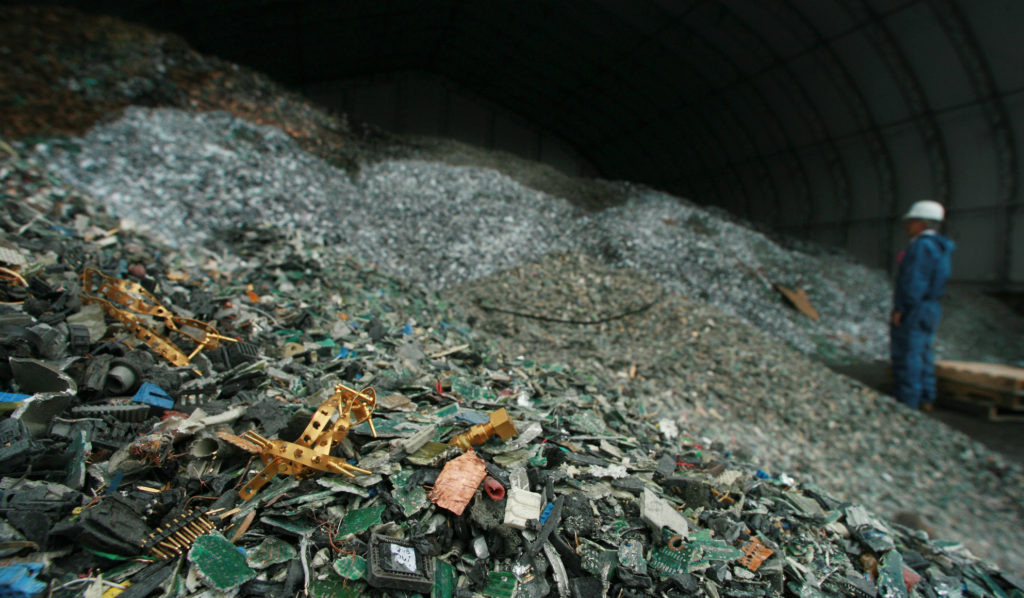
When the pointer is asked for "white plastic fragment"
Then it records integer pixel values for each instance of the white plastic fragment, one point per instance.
(200, 420)
(838, 529)
(668, 429)
(519, 479)
(527, 435)
(611, 471)
(659, 513)
(416, 441)
(13, 257)
(522, 506)
(480, 548)
(611, 449)
(727, 478)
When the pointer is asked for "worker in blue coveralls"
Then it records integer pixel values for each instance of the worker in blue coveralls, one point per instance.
(924, 268)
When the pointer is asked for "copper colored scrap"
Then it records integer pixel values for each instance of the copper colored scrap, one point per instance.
(870, 564)
(312, 451)
(798, 299)
(500, 424)
(754, 554)
(458, 481)
(8, 277)
(132, 305)
(725, 497)
(238, 441)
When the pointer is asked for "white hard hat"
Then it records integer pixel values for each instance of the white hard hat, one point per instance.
(926, 210)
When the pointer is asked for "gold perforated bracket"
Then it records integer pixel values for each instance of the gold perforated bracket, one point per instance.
(131, 304)
(311, 452)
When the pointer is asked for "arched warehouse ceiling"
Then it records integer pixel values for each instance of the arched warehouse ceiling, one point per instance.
(824, 118)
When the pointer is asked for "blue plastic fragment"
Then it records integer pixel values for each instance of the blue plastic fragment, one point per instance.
(764, 476)
(473, 416)
(115, 483)
(151, 394)
(408, 329)
(20, 580)
(12, 397)
(547, 512)
(343, 353)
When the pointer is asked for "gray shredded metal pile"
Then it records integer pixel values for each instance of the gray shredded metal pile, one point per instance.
(184, 176)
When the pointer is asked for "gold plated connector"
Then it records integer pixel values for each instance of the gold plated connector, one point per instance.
(500, 424)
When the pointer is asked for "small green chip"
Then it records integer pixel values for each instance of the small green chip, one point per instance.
(412, 498)
(334, 586)
(500, 584)
(219, 562)
(359, 520)
(445, 580)
(473, 392)
(271, 551)
(350, 567)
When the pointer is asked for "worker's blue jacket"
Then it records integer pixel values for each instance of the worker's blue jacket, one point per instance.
(922, 279)
(923, 274)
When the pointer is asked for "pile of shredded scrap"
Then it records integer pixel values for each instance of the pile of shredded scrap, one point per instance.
(212, 403)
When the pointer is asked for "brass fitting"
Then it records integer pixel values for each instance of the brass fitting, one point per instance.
(500, 424)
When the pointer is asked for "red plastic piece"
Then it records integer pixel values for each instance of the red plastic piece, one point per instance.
(910, 578)
(493, 488)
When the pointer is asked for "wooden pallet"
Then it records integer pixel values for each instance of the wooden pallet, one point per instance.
(998, 388)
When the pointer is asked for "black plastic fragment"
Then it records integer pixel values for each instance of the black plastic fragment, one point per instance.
(239, 353)
(78, 339)
(396, 564)
(133, 412)
(110, 526)
(554, 518)
(15, 444)
(94, 378)
(585, 587)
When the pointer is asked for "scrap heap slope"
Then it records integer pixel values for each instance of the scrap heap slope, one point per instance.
(673, 428)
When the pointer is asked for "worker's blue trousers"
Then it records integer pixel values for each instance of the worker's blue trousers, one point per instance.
(913, 363)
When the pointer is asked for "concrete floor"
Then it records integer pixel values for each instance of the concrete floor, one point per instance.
(1006, 437)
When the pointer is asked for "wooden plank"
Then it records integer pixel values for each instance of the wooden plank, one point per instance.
(798, 299)
(989, 376)
(1000, 406)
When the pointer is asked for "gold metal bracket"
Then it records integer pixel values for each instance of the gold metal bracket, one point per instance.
(311, 452)
(130, 303)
